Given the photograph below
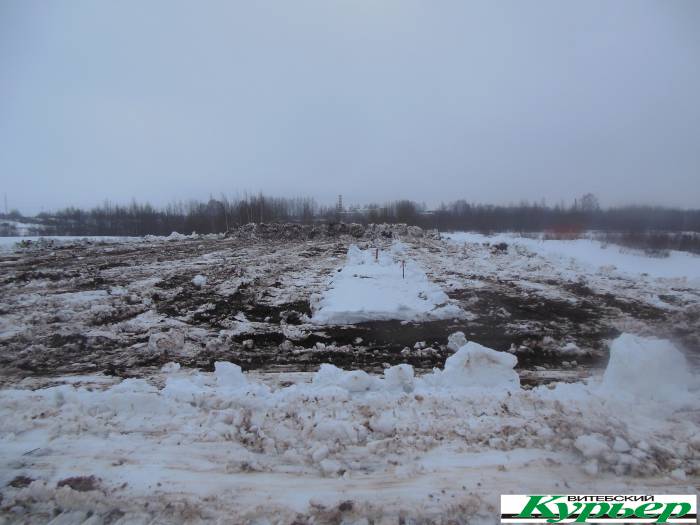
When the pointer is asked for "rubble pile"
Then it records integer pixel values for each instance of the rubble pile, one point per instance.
(329, 230)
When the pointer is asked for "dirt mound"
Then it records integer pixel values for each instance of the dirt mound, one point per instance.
(328, 230)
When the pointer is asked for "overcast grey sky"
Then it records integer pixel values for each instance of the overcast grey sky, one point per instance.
(375, 99)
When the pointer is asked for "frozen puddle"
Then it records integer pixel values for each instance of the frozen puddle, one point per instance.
(381, 286)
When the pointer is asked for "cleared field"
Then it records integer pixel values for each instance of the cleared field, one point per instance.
(177, 379)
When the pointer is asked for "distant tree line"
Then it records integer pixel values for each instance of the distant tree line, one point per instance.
(563, 220)
(221, 214)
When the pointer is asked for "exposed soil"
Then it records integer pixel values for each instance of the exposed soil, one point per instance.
(49, 328)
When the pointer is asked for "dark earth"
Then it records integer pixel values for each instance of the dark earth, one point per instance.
(276, 279)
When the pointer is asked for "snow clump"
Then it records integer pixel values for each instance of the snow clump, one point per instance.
(163, 342)
(229, 375)
(646, 369)
(473, 367)
(476, 366)
(199, 281)
(456, 341)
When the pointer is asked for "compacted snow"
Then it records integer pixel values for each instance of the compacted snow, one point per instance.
(346, 443)
(378, 285)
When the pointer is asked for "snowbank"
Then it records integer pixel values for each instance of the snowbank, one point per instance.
(464, 429)
(645, 369)
(473, 367)
(371, 286)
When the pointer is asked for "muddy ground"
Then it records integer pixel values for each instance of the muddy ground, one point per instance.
(127, 308)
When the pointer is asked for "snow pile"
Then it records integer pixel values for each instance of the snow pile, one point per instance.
(476, 366)
(646, 369)
(473, 367)
(352, 381)
(229, 375)
(176, 236)
(592, 445)
(293, 231)
(456, 341)
(344, 435)
(376, 285)
(400, 377)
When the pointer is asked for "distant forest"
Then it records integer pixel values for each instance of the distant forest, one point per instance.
(222, 214)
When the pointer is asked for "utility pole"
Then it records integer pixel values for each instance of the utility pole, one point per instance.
(5, 203)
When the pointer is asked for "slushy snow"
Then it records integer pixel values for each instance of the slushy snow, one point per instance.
(373, 286)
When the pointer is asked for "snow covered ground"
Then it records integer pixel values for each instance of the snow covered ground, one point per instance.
(595, 255)
(120, 399)
(9, 243)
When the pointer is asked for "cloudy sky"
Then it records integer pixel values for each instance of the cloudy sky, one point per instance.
(374, 99)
